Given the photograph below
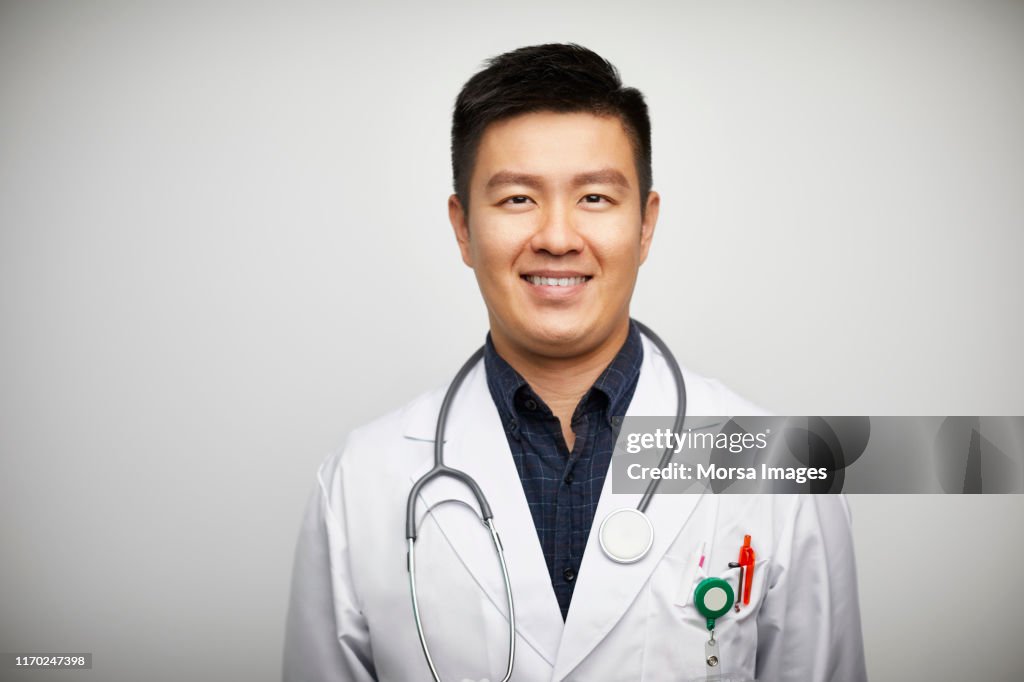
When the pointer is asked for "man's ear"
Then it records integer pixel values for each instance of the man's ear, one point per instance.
(650, 220)
(460, 224)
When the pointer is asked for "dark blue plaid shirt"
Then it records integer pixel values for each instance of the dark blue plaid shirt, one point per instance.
(563, 488)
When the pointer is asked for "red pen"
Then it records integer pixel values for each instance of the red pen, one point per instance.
(747, 564)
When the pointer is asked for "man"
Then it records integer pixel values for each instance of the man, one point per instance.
(553, 210)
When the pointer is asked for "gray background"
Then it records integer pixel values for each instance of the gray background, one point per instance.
(223, 244)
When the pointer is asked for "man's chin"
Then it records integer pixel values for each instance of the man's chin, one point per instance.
(558, 345)
(562, 338)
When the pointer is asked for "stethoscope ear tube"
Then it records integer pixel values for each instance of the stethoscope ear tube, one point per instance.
(499, 550)
(487, 516)
(438, 472)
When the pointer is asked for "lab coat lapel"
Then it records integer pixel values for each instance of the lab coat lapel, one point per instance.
(476, 443)
(605, 590)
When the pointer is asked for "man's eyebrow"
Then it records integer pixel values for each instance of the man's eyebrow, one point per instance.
(503, 178)
(605, 176)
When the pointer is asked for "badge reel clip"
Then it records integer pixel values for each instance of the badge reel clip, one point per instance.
(713, 599)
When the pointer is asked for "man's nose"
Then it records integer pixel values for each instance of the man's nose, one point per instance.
(557, 231)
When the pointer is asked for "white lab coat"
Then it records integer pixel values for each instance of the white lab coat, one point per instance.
(350, 616)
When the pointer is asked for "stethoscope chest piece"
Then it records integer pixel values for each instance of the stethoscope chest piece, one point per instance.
(626, 535)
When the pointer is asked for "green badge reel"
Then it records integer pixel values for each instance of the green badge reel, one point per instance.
(713, 599)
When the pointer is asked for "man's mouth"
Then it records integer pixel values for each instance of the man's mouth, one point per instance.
(538, 280)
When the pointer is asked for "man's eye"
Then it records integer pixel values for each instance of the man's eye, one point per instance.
(594, 198)
(518, 199)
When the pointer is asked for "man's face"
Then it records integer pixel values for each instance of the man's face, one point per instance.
(554, 231)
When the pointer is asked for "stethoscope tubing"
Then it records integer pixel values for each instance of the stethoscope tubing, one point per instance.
(440, 470)
(677, 374)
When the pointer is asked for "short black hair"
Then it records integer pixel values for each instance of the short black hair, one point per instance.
(557, 77)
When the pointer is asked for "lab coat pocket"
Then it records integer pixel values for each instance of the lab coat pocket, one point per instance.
(736, 631)
(674, 636)
(757, 590)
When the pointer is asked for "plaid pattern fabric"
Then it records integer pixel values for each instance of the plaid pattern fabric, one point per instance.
(562, 487)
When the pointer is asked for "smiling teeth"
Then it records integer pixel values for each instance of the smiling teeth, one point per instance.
(555, 281)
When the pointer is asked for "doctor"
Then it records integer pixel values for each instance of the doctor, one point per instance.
(553, 210)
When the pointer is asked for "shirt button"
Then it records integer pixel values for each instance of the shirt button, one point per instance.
(569, 477)
(569, 575)
(530, 404)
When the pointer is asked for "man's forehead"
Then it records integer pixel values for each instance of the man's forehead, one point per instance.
(565, 144)
(544, 122)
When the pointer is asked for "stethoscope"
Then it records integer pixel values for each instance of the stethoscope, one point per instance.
(625, 535)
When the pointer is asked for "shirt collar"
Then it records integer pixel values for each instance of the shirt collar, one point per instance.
(617, 382)
(502, 380)
(619, 379)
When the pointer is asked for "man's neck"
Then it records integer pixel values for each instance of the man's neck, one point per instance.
(562, 381)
